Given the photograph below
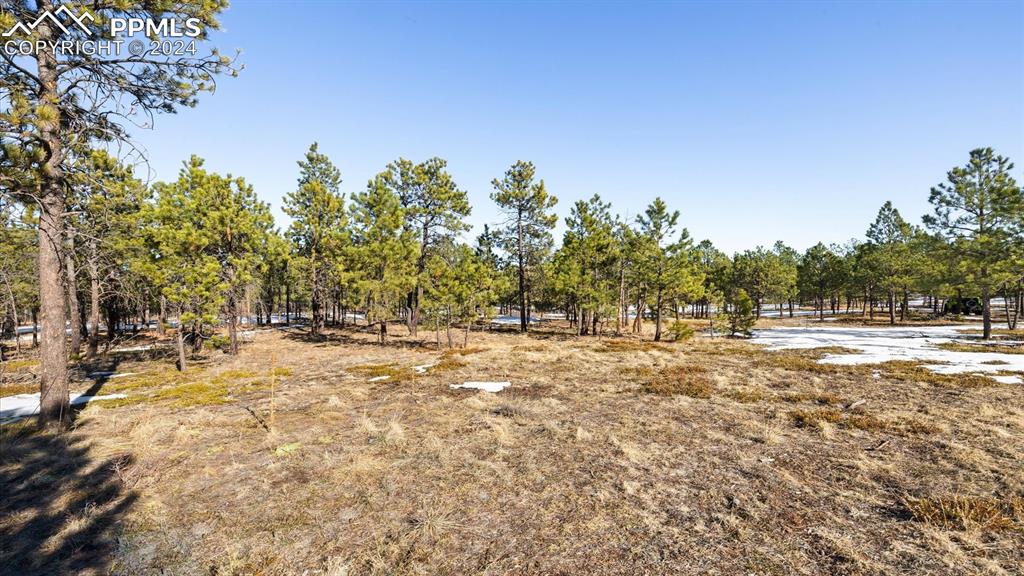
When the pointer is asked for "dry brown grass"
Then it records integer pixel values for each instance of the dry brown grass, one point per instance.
(960, 512)
(911, 371)
(592, 462)
(393, 372)
(686, 380)
(628, 345)
(981, 347)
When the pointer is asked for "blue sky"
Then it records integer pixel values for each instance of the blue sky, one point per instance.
(758, 121)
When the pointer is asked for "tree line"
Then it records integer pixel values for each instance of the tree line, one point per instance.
(202, 252)
(86, 243)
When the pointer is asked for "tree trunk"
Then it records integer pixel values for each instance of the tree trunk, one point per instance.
(232, 324)
(14, 314)
(448, 326)
(94, 310)
(180, 337)
(71, 285)
(1010, 320)
(657, 318)
(523, 319)
(621, 313)
(892, 307)
(986, 311)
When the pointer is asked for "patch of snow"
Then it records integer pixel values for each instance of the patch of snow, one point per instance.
(877, 345)
(423, 368)
(512, 320)
(23, 405)
(1009, 379)
(379, 378)
(110, 375)
(485, 386)
(133, 349)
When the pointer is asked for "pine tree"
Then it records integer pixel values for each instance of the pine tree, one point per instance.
(317, 209)
(667, 265)
(784, 285)
(526, 236)
(741, 313)
(459, 286)
(19, 291)
(106, 200)
(716, 269)
(819, 275)
(383, 252)
(435, 211)
(890, 236)
(976, 210)
(585, 269)
(63, 99)
(204, 237)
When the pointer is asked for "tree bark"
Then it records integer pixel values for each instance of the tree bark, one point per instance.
(986, 310)
(54, 407)
(232, 324)
(657, 318)
(71, 286)
(180, 337)
(94, 310)
(523, 319)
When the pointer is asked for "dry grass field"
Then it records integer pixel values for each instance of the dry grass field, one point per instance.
(605, 456)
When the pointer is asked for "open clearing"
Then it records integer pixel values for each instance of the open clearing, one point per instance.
(941, 349)
(604, 456)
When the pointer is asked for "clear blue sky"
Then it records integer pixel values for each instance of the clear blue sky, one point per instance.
(758, 121)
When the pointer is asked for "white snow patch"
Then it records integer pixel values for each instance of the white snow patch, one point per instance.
(485, 386)
(110, 375)
(22, 405)
(877, 345)
(512, 320)
(133, 349)
(422, 369)
(1009, 379)
(379, 378)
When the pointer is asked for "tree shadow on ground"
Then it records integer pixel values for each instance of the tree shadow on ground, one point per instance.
(335, 337)
(60, 508)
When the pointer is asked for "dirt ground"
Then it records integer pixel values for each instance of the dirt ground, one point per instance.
(605, 456)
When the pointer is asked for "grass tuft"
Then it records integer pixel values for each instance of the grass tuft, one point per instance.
(19, 365)
(910, 371)
(745, 395)
(959, 512)
(394, 372)
(687, 380)
(612, 346)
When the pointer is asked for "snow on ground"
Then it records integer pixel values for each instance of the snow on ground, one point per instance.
(23, 405)
(504, 319)
(110, 375)
(876, 345)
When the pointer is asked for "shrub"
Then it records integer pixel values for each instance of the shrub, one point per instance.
(741, 313)
(958, 512)
(680, 331)
(217, 342)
